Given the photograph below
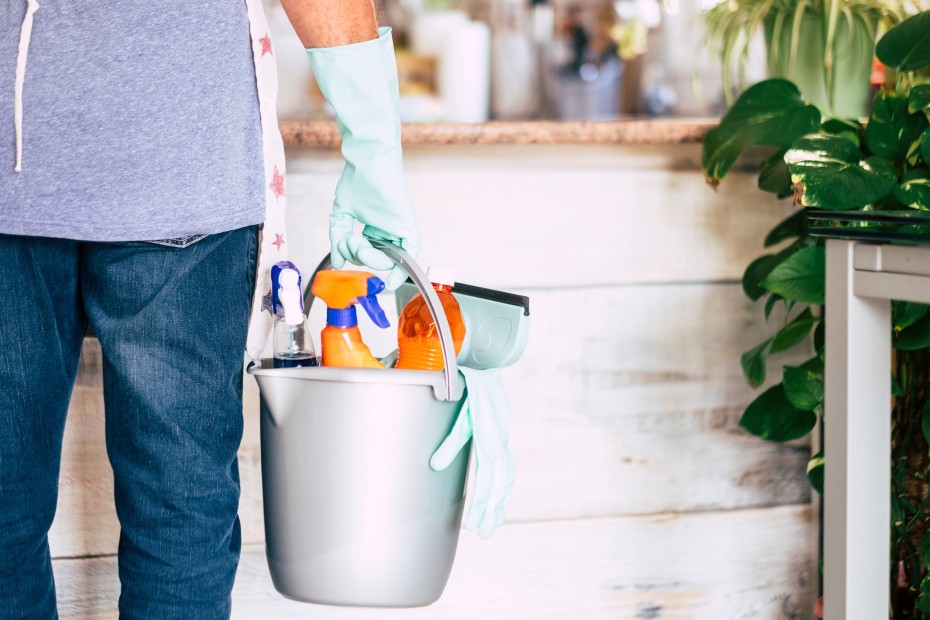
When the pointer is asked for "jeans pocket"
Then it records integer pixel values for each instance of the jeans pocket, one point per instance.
(179, 242)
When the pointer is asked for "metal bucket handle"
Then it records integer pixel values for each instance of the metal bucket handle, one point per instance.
(399, 256)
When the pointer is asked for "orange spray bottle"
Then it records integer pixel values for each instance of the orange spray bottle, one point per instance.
(417, 334)
(341, 341)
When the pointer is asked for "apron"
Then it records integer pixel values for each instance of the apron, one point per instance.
(272, 236)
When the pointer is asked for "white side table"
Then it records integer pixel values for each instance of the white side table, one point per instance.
(862, 279)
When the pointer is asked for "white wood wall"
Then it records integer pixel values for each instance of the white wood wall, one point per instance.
(637, 495)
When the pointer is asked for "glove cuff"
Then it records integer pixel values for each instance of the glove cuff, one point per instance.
(360, 81)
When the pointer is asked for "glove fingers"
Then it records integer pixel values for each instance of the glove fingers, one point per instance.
(484, 475)
(454, 442)
(358, 251)
(341, 226)
(493, 514)
(472, 519)
(336, 258)
(342, 253)
(394, 279)
(374, 259)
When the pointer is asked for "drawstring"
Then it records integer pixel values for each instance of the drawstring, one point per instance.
(25, 34)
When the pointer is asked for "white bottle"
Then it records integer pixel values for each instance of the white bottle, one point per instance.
(293, 345)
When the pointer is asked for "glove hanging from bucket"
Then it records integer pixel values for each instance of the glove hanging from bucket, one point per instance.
(485, 418)
(360, 81)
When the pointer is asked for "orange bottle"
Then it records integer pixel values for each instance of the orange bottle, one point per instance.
(341, 342)
(417, 335)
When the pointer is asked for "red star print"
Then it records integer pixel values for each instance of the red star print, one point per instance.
(277, 183)
(278, 240)
(266, 45)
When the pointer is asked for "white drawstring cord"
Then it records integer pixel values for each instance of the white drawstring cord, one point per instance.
(25, 34)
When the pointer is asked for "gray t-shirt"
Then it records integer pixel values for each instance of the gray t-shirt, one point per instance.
(140, 120)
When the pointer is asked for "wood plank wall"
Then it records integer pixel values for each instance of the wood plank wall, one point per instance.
(637, 495)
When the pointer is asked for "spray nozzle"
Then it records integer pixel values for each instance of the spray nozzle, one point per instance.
(276, 269)
(370, 302)
(289, 296)
(341, 290)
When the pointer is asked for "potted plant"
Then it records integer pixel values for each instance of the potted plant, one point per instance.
(825, 47)
(828, 163)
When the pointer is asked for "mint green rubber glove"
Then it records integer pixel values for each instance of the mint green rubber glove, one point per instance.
(485, 418)
(360, 81)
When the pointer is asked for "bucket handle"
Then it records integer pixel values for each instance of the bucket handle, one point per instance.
(399, 256)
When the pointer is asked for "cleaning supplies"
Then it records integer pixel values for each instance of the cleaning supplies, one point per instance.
(417, 335)
(497, 324)
(293, 346)
(341, 341)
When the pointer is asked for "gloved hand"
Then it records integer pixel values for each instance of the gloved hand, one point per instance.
(360, 81)
(485, 417)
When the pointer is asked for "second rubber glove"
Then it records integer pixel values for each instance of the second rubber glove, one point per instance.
(360, 82)
(485, 419)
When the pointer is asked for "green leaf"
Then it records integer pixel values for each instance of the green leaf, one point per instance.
(815, 472)
(762, 266)
(892, 130)
(803, 388)
(770, 304)
(753, 363)
(843, 128)
(794, 332)
(919, 98)
(827, 172)
(917, 336)
(770, 113)
(754, 274)
(923, 600)
(820, 337)
(795, 225)
(914, 190)
(814, 364)
(800, 276)
(906, 313)
(925, 420)
(896, 389)
(772, 416)
(775, 177)
(925, 147)
(906, 47)
(925, 548)
(898, 514)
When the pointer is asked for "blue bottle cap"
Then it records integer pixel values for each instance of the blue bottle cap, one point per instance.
(342, 317)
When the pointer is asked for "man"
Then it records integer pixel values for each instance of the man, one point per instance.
(141, 163)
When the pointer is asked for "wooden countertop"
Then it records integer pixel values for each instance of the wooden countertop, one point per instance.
(631, 131)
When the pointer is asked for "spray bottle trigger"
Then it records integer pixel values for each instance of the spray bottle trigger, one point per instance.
(371, 305)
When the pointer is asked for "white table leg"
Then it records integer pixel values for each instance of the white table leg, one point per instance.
(857, 446)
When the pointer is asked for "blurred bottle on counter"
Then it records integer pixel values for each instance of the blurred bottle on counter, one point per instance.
(515, 77)
(417, 335)
(460, 49)
(293, 346)
(590, 81)
(544, 40)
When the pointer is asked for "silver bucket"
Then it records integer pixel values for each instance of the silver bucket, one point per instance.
(353, 513)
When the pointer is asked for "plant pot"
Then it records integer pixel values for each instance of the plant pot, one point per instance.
(854, 49)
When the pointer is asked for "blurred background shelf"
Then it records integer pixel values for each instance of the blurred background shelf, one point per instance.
(619, 132)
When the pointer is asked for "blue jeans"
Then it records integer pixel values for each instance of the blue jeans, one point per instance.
(172, 322)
